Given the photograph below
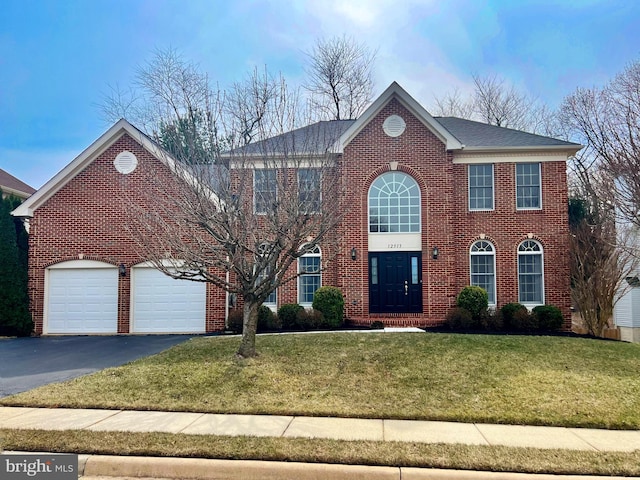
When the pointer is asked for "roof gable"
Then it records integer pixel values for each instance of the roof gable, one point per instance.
(82, 161)
(396, 91)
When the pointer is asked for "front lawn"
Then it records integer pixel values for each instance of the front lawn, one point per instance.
(468, 378)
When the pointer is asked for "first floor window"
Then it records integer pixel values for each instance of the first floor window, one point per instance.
(310, 276)
(263, 250)
(530, 273)
(483, 268)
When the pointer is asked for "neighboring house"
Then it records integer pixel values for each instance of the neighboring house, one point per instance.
(435, 204)
(626, 312)
(10, 185)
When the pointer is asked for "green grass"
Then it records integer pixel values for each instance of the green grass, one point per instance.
(495, 459)
(469, 378)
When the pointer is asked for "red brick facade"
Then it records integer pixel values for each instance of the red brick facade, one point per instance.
(85, 219)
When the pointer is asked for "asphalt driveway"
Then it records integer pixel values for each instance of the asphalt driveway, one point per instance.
(27, 363)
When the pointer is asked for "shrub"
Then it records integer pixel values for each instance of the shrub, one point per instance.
(492, 320)
(549, 317)
(330, 302)
(267, 320)
(523, 321)
(377, 325)
(473, 299)
(310, 319)
(287, 315)
(508, 311)
(234, 323)
(460, 318)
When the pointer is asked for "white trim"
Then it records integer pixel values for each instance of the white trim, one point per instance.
(395, 172)
(510, 156)
(82, 161)
(300, 275)
(396, 91)
(515, 181)
(530, 305)
(495, 273)
(493, 188)
(253, 173)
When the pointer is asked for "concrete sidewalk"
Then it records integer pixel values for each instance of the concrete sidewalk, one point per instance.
(320, 427)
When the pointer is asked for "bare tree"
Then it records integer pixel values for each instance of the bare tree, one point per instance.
(608, 122)
(495, 102)
(600, 262)
(173, 102)
(339, 77)
(242, 221)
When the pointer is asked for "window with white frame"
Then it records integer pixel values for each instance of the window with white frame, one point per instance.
(482, 263)
(481, 187)
(530, 273)
(310, 276)
(528, 186)
(394, 204)
(265, 190)
(309, 183)
(272, 299)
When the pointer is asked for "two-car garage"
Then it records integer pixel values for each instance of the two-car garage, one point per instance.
(81, 297)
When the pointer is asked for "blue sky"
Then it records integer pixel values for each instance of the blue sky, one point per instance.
(58, 58)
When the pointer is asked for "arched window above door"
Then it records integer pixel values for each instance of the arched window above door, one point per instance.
(394, 204)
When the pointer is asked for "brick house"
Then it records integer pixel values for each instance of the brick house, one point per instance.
(435, 204)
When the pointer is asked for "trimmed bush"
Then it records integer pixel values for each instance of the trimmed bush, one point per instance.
(330, 302)
(267, 320)
(508, 311)
(234, 322)
(287, 315)
(523, 321)
(492, 320)
(549, 317)
(460, 318)
(310, 319)
(473, 299)
(377, 325)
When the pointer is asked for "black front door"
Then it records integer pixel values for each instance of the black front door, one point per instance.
(395, 282)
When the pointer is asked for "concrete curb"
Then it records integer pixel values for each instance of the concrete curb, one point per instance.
(205, 469)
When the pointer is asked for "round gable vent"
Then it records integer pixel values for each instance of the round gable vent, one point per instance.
(125, 162)
(394, 126)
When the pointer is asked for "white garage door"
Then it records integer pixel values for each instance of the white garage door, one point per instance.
(161, 304)
(82, 300)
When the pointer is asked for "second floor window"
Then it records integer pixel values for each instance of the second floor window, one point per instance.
(309, 183)
(394, 204)
(528, 186)
(265, 190)
(481, 187)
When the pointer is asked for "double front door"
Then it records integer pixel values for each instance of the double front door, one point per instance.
(395, 282)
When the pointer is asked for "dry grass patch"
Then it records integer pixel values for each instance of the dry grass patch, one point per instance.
(326, 451)
(472, 378)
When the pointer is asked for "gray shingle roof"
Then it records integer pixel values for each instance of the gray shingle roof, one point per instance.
(320, 137)
(315, 138)
(477, 134)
